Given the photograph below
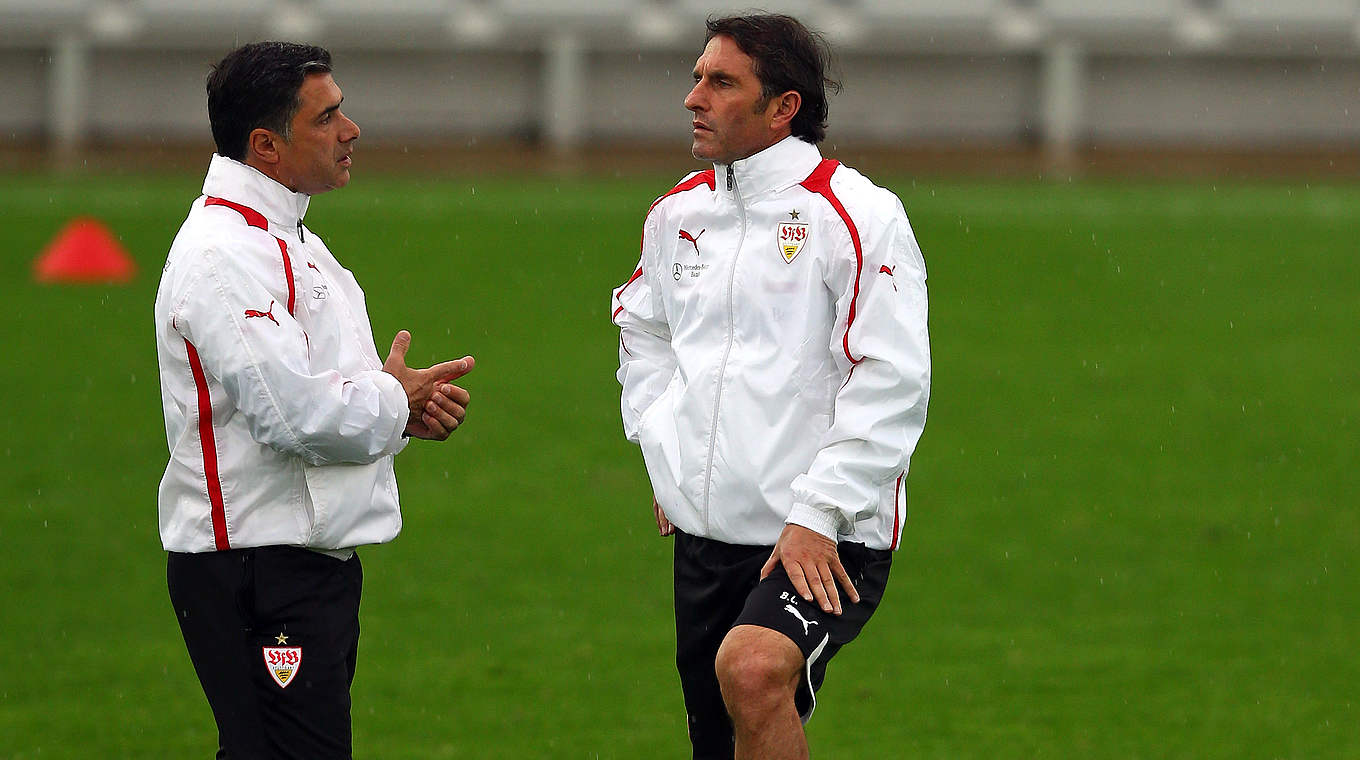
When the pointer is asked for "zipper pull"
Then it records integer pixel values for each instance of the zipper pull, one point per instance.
(730, 178)
(301, 239)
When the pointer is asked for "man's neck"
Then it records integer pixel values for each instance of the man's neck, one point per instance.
(762, 149)
(268, 170)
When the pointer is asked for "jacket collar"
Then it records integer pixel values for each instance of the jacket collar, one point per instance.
(234, 181)
(780, 166)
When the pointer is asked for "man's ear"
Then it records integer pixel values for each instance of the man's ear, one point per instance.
(784, 108)
(263, 146)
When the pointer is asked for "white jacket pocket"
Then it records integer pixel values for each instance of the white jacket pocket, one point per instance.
(660, 442)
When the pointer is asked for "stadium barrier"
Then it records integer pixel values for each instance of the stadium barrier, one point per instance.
(1056, 73)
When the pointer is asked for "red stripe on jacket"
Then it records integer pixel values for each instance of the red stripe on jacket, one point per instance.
(288, 275)
(705, 177)
(256, 219)
(897, 495)
(631, 280)
(253, 217)
(209, 444)
(819, 182)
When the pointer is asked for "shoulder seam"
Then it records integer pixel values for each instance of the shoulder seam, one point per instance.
(705, 177)
(252, 217)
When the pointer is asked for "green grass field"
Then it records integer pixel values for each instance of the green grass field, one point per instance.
(1133, 527)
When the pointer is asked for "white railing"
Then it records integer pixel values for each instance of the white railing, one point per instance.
(1054, 41)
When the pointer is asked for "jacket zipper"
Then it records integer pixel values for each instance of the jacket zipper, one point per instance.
(301, 239)
(727, 351)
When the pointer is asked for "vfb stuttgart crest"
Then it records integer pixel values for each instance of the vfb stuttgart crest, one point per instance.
(283, 663)
(791, 237)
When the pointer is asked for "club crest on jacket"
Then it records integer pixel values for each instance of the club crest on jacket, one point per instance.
(791, 237)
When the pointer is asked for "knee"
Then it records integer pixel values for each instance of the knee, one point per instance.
(751, 674)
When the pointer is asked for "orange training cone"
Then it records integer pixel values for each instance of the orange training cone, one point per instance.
(84, 251)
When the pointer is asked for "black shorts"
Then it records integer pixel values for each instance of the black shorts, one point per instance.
(718, 587)
(273, 634)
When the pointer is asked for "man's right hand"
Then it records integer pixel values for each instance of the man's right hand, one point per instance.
(663, 524)
(436, 408)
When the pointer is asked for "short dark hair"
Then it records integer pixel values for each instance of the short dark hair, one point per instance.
(787, 56)
(256, 86)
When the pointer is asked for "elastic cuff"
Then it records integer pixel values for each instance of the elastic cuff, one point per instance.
(825, 522)
(395, 396)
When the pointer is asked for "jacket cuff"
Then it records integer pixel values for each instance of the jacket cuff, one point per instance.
(824, 521)
(395, 397)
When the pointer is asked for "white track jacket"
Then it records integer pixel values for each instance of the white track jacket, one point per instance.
(282, 425)
(773, 351)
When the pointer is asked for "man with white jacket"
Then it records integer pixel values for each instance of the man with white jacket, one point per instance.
(775, 367)
(281, 420)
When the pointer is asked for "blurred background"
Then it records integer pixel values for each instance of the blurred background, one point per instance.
(1145, 85)
(1133, 527)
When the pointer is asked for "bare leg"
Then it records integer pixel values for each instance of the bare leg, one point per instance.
(758, 670)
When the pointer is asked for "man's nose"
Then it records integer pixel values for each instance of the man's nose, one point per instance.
(352, 132)
(693, 101)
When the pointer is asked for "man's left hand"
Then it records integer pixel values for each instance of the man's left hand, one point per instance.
(813, 566)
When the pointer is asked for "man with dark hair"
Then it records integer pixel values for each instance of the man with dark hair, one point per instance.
(257, 86)
(775, 366)
(281, 420)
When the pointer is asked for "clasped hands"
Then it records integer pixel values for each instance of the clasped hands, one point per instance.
(437, 406)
